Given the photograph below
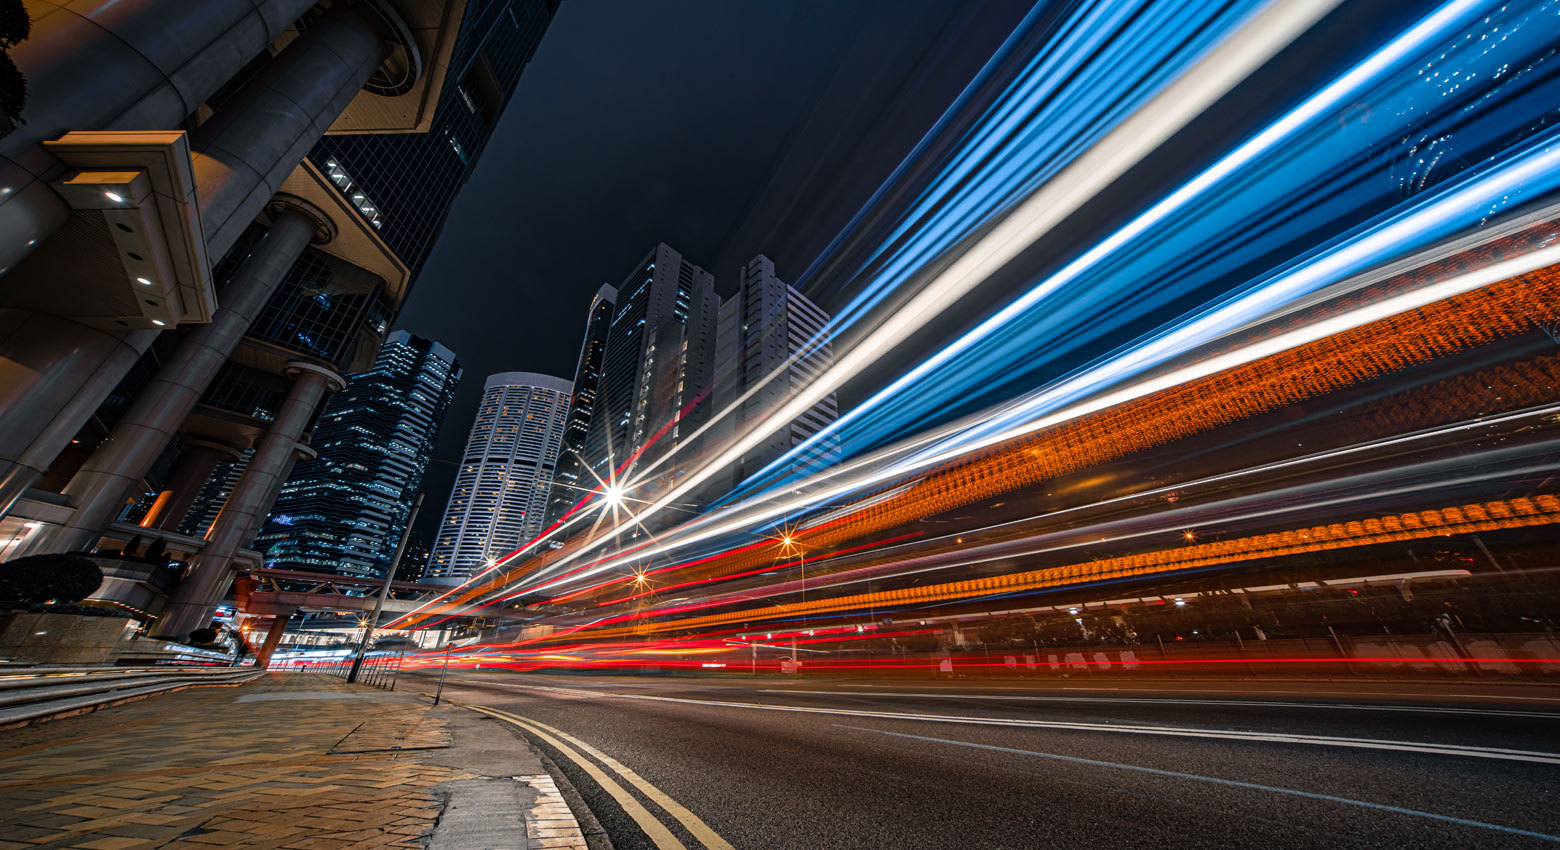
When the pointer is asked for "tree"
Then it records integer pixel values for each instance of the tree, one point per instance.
(15, 26)
(42, 578)
(203, 636)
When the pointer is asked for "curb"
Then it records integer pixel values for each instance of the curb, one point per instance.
(548, 820)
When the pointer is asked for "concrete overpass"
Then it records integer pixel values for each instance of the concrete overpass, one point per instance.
(277, 593)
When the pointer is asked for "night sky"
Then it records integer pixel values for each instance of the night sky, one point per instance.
(724, 129)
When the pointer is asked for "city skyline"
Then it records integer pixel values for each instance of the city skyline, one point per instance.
(902, 423)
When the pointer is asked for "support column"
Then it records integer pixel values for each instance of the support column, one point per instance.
(240, 158)
(98, 490)
(200, 459)
(302, 451)
(247, 505)
(273, 638)
(245, 151)
(128, 65)
(53, 375)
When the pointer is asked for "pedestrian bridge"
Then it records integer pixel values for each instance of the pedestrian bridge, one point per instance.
(268, 593)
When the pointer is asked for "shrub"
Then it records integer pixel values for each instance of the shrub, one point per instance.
(15, 26)
(13, 90)
(40, 578)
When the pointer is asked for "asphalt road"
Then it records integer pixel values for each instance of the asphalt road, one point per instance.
(837, 764)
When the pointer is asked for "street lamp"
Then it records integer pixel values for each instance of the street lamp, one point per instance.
(612, 494)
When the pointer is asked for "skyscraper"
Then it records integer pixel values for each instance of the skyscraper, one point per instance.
(655, 381)
(500, 495)
(767, 329)
(404, 183)
(344, 511)
(567, 488)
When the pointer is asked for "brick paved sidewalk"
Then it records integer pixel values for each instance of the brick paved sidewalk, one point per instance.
(296, 761)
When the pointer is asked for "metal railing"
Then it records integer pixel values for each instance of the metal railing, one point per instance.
(380, 669)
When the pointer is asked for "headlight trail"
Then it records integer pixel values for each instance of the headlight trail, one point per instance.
(1118, 380)
(1492, 465)
(1191, 515)
(1347, 87)
(1316, 331)
(1364, 531)
(1177, 104)
(1375, 340)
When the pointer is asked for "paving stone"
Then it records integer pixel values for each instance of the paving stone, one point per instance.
(200, 772)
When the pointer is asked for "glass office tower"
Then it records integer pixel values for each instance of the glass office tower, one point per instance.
(404, 183)
(345, 510)
(499, 498)
(571, 480)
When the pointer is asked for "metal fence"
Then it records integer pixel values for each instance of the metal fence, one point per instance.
(380, 669)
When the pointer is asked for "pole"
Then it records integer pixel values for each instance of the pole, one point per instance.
(448, 648)
(384, 592)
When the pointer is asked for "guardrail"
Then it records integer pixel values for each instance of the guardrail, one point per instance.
(379, 671)
(45, 693)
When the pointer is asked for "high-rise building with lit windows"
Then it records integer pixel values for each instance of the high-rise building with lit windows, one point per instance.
(772, 343)
(571, 479)
(404, 183)
(654, 390)
(499, 499)
(344, 511)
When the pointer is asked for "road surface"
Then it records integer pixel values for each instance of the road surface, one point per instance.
(808, 764)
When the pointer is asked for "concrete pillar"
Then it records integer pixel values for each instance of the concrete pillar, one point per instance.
(246, 507)
(245, 151)
(194, 469)
(301, 451)
(98, 491)
(55, 372)
(127, 65)
(273, 638)
(53, 375)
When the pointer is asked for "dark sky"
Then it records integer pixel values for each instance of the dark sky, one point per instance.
(722, 128)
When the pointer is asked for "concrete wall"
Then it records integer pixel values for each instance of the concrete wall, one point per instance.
(63, 638)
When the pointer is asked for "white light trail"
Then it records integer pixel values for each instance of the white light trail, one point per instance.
(1219, 70)
(1322, 329)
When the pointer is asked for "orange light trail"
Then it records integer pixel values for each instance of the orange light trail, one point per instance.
(1463, 519)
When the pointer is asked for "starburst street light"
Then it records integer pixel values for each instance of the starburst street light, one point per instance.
(612, 494)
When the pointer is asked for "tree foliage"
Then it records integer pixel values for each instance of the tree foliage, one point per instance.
(15, 26)
(41, 578)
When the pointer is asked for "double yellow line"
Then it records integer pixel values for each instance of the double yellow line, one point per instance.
(652, 826)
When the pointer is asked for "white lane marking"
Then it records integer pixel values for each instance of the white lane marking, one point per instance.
(1170, 701)
(1498, 753)
(1226, 782)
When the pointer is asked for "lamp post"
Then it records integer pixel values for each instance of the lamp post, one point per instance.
(384, 592)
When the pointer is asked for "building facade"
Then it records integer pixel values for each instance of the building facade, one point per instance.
(404, 183)
(654, 390)
(345, 510)
(499, 499)
(771, 342)
(184, 277)
(572, 480)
